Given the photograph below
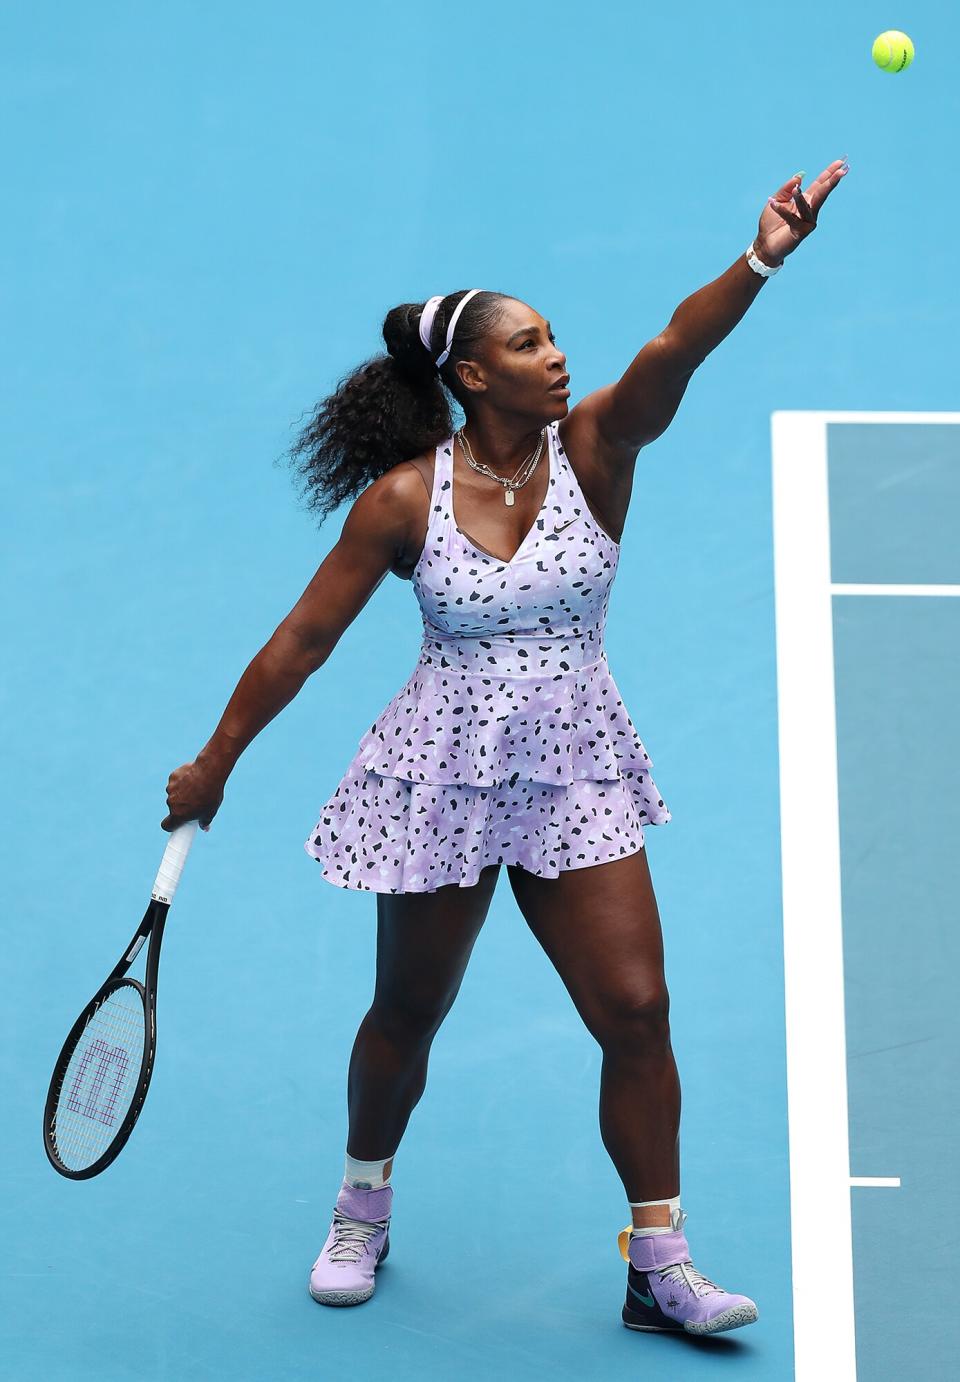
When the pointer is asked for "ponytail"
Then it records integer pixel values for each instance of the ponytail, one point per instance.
(391, 407)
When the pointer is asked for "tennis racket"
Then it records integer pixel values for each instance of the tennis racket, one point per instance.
(102, 1074)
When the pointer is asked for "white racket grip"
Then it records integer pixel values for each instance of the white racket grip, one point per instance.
(174, 858)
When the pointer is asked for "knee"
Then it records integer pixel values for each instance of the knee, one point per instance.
(409, 1019)
(634, 1020)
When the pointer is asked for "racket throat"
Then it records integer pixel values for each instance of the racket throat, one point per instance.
(134, 950)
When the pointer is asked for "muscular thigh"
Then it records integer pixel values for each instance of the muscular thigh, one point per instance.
(600, 927)
(424, 941)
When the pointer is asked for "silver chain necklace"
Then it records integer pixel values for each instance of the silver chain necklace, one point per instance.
(509, 485)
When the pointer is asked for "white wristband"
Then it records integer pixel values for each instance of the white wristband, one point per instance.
(758, 266)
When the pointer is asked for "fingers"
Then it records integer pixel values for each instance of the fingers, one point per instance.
(171, 822)
(805, 210)
(804, 207)
(830, 178)
(795, 221)
(781, 200)
(818, 191)
(192, 788)
(839, 165)
(785, 193)
(798, 209)
(799, 201)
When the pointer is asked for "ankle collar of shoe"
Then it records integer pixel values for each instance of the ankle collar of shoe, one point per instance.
(368, 1205)
(654, 1250)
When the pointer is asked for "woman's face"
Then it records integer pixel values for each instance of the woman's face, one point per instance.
(520, 369)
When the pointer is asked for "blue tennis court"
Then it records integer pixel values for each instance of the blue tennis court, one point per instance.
(209, 211)
(865, 509)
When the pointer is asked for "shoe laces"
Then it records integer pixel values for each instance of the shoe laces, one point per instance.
(686, 1273)
(351, 1237)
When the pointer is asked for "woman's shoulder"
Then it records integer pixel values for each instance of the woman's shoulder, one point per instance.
(406, 474)
(398, 503)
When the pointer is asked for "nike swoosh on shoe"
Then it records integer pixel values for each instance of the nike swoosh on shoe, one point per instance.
(647, 1300)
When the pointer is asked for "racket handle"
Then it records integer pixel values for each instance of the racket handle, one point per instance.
(174, 858)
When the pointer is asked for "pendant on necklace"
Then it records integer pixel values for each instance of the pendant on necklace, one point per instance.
(508, 497)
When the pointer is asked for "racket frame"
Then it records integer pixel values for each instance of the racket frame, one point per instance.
(154, 918)
(151, 927)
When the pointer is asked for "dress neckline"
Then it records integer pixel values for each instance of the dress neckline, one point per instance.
(539, 514)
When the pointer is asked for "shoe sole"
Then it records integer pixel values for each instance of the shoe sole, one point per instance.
(340, 1297)
(733, 1318)
(348, 1297)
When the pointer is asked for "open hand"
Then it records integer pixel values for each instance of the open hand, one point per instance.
(791, 214)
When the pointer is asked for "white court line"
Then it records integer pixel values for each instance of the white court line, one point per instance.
(820, 1180)
(824, 1341)
(893, 1181)
(842, 588)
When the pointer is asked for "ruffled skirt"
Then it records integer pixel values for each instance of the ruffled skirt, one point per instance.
(390, 835)
(470, 767)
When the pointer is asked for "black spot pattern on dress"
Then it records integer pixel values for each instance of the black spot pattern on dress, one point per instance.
(510, 742)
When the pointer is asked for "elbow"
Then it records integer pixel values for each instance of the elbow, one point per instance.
(313, 656)
(304, 649)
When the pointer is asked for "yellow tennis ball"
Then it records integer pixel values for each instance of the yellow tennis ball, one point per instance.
(892, 51)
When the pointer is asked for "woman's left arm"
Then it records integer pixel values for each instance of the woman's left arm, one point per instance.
(641, 405)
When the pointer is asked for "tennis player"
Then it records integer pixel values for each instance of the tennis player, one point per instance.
(509, 744)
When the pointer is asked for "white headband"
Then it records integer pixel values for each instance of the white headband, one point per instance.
(428, 315)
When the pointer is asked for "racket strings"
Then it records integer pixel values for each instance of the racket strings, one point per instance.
(100, 1079)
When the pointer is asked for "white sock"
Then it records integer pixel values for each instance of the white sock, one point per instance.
(367, 1175)
(673, 1205)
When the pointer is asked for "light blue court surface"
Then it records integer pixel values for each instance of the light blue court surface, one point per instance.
(209, 211)
(868, 671)
(896, 658)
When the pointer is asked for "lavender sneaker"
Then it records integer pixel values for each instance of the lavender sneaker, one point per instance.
(358, 1241)
(666, 1292)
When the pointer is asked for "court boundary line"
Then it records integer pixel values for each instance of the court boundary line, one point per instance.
(852, 588)
(817, 1101)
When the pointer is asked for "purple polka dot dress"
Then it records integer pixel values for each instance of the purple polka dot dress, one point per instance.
(509, 744)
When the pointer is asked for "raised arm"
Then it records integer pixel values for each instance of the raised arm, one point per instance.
(374, 533)
(641, 405)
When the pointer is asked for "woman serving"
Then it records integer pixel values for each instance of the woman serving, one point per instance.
(510, 744)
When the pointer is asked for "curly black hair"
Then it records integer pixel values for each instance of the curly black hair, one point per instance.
(391, 407)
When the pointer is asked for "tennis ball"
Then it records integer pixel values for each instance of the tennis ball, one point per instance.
(892, 51)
